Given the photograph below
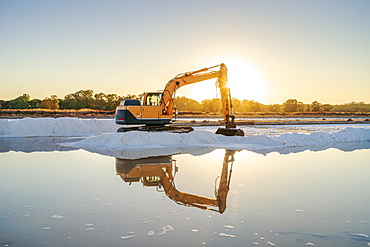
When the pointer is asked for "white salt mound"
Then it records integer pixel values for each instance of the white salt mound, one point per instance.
(30, 127)
(200, 138)
(101, 135)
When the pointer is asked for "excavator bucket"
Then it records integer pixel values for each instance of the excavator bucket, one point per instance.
(230, 132)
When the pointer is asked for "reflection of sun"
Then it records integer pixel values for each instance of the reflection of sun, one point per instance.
(245, 82)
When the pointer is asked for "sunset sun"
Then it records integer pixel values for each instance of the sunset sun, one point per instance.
(245, 81)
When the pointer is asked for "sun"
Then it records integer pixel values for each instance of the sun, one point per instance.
(244, 80)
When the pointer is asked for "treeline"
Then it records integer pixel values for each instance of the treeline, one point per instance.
(87, 99)
(289, 106)
(83, 99)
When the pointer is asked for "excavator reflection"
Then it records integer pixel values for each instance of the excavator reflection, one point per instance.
(160, 172)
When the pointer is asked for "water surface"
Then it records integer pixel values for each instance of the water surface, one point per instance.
(68, 197)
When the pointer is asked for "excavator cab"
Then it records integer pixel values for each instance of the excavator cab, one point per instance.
(148, 112)
(152, 99)
(160, 172)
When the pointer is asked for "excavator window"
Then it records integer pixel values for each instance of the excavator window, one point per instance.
(153, 99)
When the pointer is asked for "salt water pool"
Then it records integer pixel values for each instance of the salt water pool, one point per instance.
(54, 195)
(75, 182)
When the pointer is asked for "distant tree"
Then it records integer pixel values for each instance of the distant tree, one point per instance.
(211, 105)
(315, 106)
(50, 103)
(291, 105)
(34, 103)
(80, 99)
(251, 106)
(308, 108)
(113, 101)
(326, 107)
(20, 102)
(273, 108)
(301, 107)
(62, 104)
(131, 96)
(86, 98)
(237, 104)
(186, 104)
(356, 107)
(5, 104)
(100, 101)
(25, 97)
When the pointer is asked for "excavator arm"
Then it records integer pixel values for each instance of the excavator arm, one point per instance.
(202, 202)
(202, 75)
(188, 78)
(227, 106)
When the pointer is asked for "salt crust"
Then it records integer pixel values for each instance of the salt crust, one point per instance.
(198, 138)
(101, 137)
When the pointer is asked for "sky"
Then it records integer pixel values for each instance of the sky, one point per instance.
(309, 50)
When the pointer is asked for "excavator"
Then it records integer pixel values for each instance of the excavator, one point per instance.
(155, 110)
(160, 172)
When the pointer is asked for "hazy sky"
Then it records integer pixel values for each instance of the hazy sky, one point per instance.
(302, 49)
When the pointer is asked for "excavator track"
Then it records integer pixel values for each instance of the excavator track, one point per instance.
(171, 129)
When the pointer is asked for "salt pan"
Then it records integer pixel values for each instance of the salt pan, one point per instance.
(27, 127)
(102, 137)
(133, 145)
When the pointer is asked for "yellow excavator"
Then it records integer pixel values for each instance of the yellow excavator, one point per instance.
(155, 110)
(160, 172)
